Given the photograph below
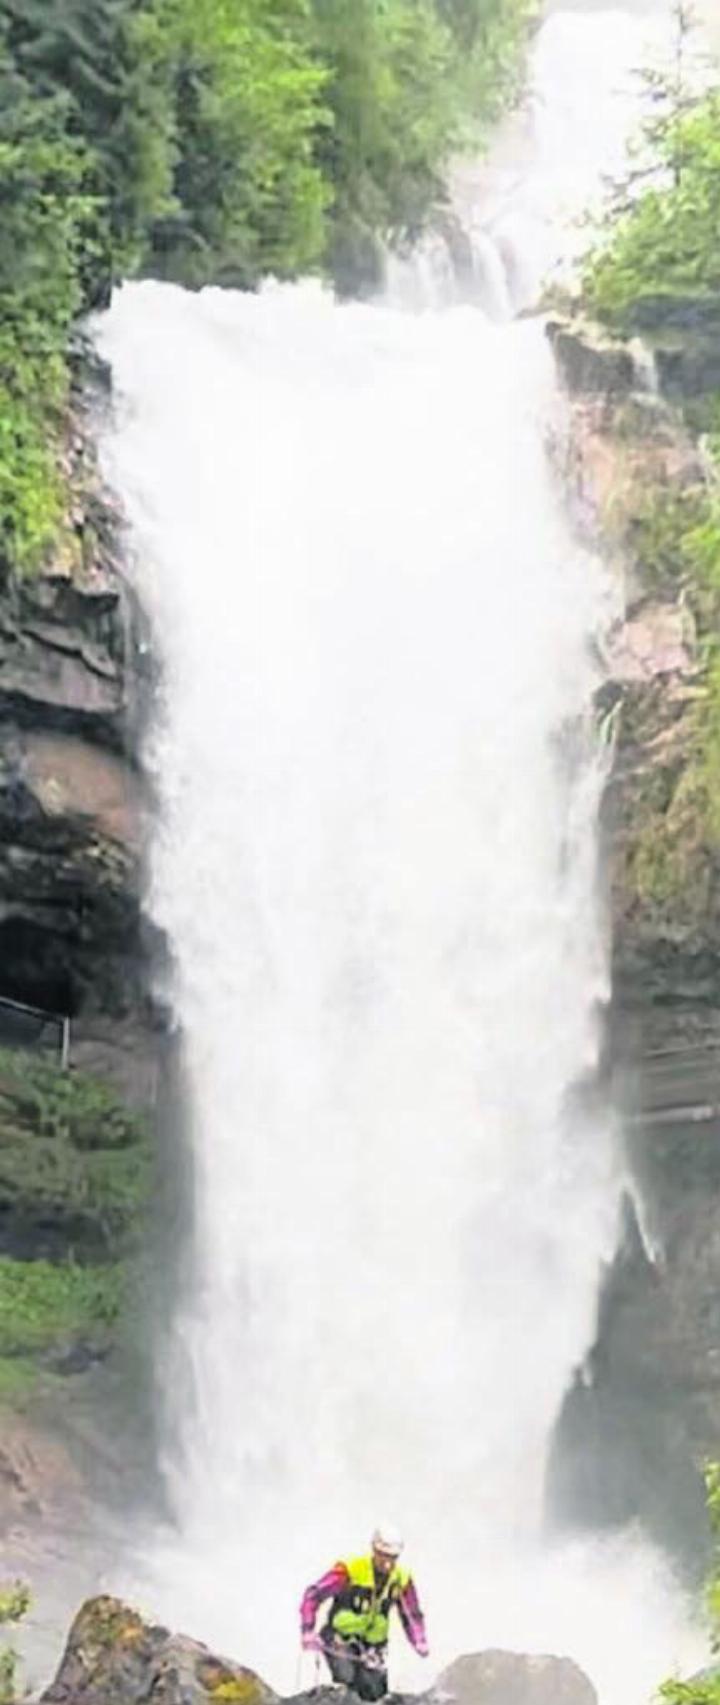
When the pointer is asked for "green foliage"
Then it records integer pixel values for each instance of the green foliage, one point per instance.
(704, 1689)
(708, 755)
(14, 1604)
(95, 51)
(208, 141)
(72, 1157)
(44, 208)
(73, 1160)
(246, 100)
(392, 120)
(486, 35)
(664, 535)
(83, 165)
(68, 1106)
(673, 832)
(676, 543)
(662, 244)
(18, 1381)
(42, 1302)
(405, 77)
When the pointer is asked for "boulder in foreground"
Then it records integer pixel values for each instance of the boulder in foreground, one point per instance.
(509, 1678)
(114, 1658)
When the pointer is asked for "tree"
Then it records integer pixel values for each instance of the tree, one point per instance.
(392, 125)
(664, 245)
(99, 52)
(46, 213)
(247, 99)
(660, 240)
(704, 1689)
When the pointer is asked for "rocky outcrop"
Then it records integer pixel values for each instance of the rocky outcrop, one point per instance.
(113, 1655)
(76, 1146)
(510, 1678)
(676, 339)
(645, 1411)
(591, 361)
(73, 684)
(683, 335)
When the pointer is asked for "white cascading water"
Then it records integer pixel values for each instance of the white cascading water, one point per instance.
(376, 865)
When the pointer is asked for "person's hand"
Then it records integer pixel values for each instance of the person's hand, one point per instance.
(309, 1641)
(422, 1648)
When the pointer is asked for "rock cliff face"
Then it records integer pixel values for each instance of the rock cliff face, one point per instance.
(77, 1148)
(645, 1411)
(72, 686)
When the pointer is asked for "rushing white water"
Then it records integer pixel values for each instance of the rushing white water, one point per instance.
(526, 209)
(377, 867)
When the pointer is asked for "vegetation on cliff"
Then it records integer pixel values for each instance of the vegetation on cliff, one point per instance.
(656, 271)
(660, 240)
(208, 141)
(704, 1689)
(662, 246)
(74, 1181)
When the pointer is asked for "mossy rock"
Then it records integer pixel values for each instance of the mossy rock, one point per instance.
(113, 1655)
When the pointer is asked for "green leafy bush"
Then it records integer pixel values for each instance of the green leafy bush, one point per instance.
(245, 103)
(45, 206)
(42, 1302)
(409, 81)
(661, 244)
(704, 1689)
(74, 1160)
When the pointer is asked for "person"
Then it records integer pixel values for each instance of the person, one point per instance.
(363, 1590)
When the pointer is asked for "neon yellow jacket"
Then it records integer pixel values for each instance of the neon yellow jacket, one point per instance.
(361, 1606)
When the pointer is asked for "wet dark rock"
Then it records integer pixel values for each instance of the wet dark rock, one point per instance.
(643, 1413)
(683, 333)
(74, 691)
(330, 1695)
(590, 361)
(76, 1355)
(510, 1678)
(687, 366)
(686, 313)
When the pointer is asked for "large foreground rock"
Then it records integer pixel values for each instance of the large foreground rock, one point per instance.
(114, 1658)
(509, 1678)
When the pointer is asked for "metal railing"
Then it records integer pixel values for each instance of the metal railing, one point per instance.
(30, 1027)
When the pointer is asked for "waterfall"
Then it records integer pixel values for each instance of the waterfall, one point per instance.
(376, 864)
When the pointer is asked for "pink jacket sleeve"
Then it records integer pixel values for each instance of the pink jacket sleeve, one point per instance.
(412, 1618)
(328, 1585)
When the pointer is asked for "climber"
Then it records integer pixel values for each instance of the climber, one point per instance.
(363, 1591)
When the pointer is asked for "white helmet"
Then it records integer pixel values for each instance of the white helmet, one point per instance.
(387, 1540)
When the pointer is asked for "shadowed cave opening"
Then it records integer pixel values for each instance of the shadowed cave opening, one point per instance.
(35, 968)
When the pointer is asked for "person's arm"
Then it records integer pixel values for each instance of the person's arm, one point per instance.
(412, 1618)
(327, 1587)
